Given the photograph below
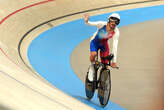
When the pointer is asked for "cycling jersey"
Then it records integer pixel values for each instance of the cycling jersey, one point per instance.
(100, 39)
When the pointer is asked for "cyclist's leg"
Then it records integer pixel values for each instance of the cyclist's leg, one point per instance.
(104, 52)
(93, 54)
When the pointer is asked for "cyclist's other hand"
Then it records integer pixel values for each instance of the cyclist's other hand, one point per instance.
(86, 17)
(113, 65)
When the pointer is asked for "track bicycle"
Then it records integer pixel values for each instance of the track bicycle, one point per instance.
(102, 83)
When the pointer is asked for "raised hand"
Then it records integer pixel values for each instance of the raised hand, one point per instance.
(86, 17)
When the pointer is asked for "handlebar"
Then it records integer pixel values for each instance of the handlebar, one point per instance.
(109, 58)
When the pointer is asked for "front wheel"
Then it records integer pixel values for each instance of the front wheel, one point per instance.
(104, 88)
(89, 88)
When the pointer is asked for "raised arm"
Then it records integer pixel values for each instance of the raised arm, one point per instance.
(99, 24)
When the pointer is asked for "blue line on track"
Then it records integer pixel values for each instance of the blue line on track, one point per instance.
(50, 52)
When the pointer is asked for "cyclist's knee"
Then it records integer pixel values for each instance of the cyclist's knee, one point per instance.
(92, 59)
(92, 56)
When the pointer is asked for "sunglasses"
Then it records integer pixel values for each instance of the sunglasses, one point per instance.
(116, 20)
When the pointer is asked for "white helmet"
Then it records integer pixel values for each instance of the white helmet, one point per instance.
(115, 17)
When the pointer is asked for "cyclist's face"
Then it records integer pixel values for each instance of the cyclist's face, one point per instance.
(112, 24)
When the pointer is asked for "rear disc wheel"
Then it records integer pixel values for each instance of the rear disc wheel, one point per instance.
(104, 89)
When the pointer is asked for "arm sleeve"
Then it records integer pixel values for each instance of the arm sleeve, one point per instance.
(99, 24)
(115, 44)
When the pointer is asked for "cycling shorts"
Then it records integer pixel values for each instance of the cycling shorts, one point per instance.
(101, 45)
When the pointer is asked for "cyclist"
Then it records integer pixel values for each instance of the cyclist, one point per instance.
(105, 31)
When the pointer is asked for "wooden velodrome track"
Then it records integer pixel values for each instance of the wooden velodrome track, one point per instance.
(137, 85)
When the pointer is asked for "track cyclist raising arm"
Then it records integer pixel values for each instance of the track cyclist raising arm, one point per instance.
(99, 41)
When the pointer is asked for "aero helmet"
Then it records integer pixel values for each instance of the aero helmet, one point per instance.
(114, 17)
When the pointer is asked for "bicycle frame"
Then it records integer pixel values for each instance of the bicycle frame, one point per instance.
(104, 66)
